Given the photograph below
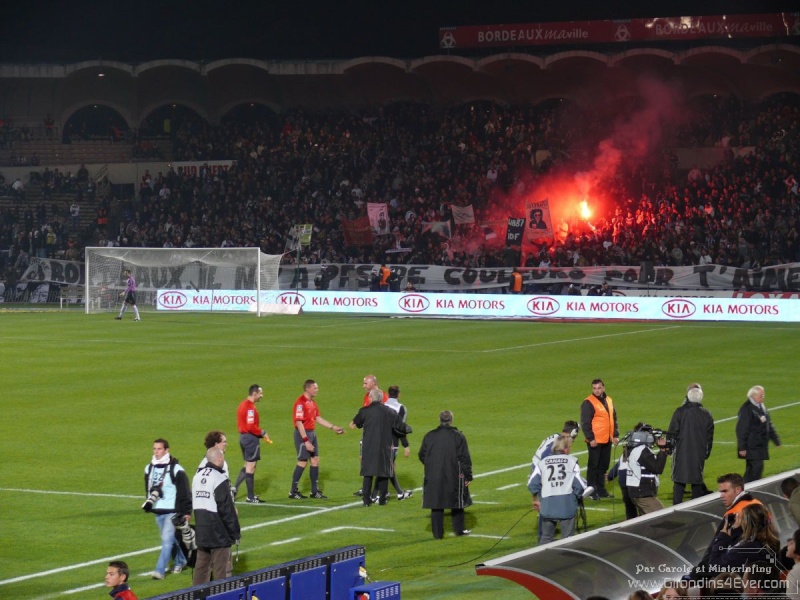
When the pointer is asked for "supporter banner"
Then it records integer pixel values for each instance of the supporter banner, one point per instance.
(462, 214)
(489, 232)
(292, 240)
(55, 271)
(540, 225)
(493, 306)
(660, 29)
(781, 279)
(377, 217)
(357, 232)
(198, 168)
(32, 291)
(516, 228)
(440, 227)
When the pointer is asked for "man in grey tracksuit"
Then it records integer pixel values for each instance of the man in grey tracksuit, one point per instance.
(556, 485)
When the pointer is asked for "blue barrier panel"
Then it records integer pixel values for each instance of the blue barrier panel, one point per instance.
(309, 584)
(327, 576)
(344, 575)
(380, 590)
(273, 589)
(237, 594)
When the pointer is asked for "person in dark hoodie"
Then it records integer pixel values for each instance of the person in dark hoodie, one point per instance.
(693, 428)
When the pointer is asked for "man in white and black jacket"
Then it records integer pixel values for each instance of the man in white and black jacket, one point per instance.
(216, 521)
(644, 467)
(557, 487)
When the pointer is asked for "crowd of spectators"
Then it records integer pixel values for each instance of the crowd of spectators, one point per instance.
(323, 167)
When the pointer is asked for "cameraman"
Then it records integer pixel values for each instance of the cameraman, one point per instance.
(644, 467)
(168, 492)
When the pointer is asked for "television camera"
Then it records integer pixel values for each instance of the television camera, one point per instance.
(644, 434)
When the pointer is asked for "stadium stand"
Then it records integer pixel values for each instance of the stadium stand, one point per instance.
(324, 165)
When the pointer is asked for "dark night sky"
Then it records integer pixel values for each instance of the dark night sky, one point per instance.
(68, 31)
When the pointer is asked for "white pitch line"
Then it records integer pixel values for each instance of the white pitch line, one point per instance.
(55, 493)
(289, 541)
(581, 339)
(769, 409)
(84, 588)
(508, 487)
(346, 527)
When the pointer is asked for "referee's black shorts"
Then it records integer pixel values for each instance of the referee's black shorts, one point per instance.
(300, 446)
(251, 450)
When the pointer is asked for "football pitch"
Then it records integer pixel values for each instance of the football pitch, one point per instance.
(83, 398)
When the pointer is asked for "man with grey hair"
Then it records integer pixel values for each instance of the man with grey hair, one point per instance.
(448, 473)
(693, 428)
(380, 424)
(216, 522)
(754, 430)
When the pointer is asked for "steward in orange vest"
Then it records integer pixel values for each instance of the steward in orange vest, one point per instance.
(516, 282)
(599, 425)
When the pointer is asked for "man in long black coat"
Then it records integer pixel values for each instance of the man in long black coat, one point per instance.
(448, 473)
(754, 430)
(693, 427)
(380, 424)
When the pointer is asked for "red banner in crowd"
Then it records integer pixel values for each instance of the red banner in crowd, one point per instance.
(357, 232)
(666, 29)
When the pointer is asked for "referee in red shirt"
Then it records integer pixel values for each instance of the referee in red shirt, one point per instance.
(306, 417)
(250, 433)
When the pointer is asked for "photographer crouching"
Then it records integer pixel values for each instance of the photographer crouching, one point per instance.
(646, 451)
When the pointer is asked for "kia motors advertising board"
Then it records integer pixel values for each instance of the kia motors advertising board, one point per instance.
(489, 306)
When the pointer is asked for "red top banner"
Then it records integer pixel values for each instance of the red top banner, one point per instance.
(666, 29)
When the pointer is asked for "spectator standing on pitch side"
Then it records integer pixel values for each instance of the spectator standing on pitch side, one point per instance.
(216, 522)
(116, 578)
(448, 472)
(306, 416)
(130, 297)
(379, 424)
(168, 493)
(754, 430)
(557, 497)
(599, 424)
(250, 433)
(569, 432)
(370, 383)
(216, 439)
(394, 403)
(693, 428)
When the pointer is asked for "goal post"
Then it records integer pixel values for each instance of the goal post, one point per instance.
(195, 270)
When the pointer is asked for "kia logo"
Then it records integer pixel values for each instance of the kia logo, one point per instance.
(543, 306)
(291, 298)
(172, 300)
(678, 308)
(413, 303)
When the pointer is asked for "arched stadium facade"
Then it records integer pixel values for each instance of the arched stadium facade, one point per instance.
(213, 89)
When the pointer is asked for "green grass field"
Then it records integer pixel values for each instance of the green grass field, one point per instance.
(83, 397)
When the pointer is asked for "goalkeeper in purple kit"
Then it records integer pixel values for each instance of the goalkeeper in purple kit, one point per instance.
(130, 297)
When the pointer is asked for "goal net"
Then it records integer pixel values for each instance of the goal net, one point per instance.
(199, 272)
